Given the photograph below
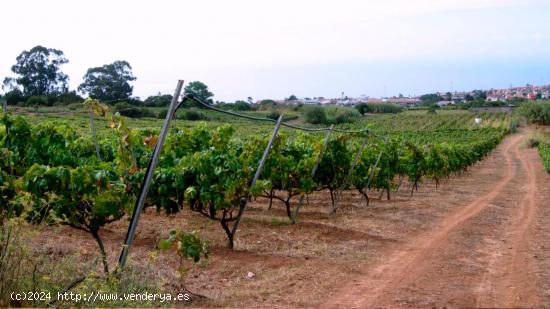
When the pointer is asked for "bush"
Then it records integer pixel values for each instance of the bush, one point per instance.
(238, 106)
(162, 114)
(14, 97)
(158, 100)
(341, 115)
(128, 110)
(378, 108)
(193, 115)
(536, 112)
(37, 100)
(273, 115)
(68, 98)
(315, 115)
(189, 114)
(267, 104)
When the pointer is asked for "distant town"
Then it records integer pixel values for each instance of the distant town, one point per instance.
(512, 94)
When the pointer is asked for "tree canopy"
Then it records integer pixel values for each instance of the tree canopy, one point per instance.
(200, 91)
(108, 82)
(38, 72)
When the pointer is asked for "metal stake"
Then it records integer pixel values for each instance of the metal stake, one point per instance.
(313, 171)
(348, 176)
(144, 189)
(258, 173)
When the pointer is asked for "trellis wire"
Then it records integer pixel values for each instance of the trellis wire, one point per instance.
(158, 148)
(258, 173)
(313, 171)
(274, 121)
(348, 176)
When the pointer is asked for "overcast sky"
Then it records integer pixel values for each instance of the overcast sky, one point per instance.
(271, 49)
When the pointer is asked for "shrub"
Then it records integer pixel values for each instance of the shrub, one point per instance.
(162, 114)
(536, 112)
(267, 104)
(193, 115)
(378, 108)
(68, 98)
(315, 115)
(341, 115)
(128, 110)
(273, 115)
(14, 97)
(158, 100)
(37, 100)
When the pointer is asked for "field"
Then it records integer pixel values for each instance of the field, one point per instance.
(432, 199)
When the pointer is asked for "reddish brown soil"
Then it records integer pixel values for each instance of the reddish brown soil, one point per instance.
(483, 254)
(478, 240)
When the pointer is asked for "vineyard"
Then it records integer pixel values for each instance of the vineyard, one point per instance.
(52, 175)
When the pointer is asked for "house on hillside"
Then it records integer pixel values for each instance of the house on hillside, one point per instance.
(493, 98)
(532, 96)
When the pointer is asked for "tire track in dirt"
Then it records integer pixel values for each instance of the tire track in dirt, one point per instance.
(403, 265)
(511, 283)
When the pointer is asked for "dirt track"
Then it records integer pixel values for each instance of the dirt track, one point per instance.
(483, 254)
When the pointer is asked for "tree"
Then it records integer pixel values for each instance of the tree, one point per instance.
(38, 72)
(108, 82)
(250, 100)
(431, 98)
(200, 91)
(160, 100)
(292, 98)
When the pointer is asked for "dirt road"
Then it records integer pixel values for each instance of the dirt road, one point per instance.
(486, 253)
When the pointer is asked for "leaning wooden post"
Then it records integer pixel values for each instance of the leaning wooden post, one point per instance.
(313, 171)
(348, 176)
(257, 175)
(148, 177)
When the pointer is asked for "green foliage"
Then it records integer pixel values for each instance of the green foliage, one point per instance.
(38, 72)
(378, 108)
(108, 82)
(267, 104)
(187, 245)
(14, 97)
(273, 115)
(291, 98)
(544, 151)
(341, 115)
(53, 171)
(200, 91)
(128, 110)
(193, 115)
(431, 98)
(334, 165)
(159, 100)
(535, 112)
(237, 106)
(315, 115)
(288, 168)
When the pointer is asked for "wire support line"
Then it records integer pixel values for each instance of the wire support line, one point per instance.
(288, 125)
